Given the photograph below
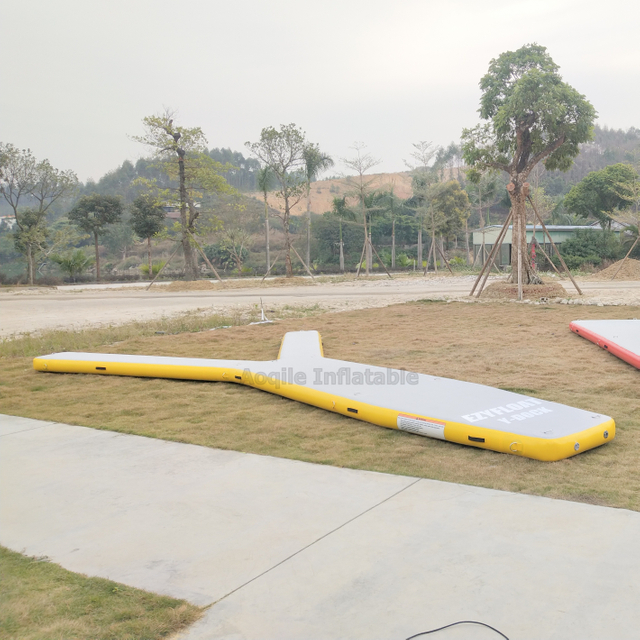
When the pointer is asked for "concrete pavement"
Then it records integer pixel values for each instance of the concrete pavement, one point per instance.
(286, 549)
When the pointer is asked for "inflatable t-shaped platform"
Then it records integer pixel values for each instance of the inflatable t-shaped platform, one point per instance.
(441, 408)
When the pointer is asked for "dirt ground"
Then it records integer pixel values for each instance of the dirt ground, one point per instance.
(628, 269)
(73, 307)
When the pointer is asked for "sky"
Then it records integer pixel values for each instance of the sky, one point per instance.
(78, 76)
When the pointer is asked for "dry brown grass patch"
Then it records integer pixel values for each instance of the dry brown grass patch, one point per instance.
(509, 291)
(523, 348)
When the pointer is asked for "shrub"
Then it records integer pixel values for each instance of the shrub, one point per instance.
(74, 262)
(590, 246)
(155, 268)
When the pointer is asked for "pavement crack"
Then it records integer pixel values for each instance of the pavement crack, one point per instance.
(40, 426)
(322, 537)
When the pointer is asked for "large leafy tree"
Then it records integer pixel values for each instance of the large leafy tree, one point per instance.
(282, 151)
(31, 187)
(147, 220)
(532, 116)
(181, 151)
(93, 214)
(600, 193)
(315, 162)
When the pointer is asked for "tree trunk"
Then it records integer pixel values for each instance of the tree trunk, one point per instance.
(419, 253)
(287, 239)
(308, 226)
(433, 242)
(149, 257)
(518, 195)
(30, 264)
(366, 236)
(393, 243)
(341, 250)
(190, 257)
(95, 238)
(266, 231)
(466, 239)
(369, 251)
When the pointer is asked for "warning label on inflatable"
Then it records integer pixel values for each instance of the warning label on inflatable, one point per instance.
(421, 426)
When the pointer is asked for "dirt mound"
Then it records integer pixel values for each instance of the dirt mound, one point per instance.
(508, 291)
(195, 285)
(630, 271)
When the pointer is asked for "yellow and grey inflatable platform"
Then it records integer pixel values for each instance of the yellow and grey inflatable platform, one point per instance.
(441, 408)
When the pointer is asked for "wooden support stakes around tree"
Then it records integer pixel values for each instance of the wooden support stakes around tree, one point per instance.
(304, 264)
(444, 259)
(178, 245)
(271, 267)
(486, 267)
(553, 244)
(369, 244)
(381, 262)
(633, 246)
(204, 255)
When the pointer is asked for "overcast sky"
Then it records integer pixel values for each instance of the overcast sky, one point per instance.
(78, 76)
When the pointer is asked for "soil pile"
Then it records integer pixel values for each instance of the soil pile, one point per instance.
(630, 271)
(508, 291)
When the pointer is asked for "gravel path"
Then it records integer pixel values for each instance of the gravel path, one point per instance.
(36, 309)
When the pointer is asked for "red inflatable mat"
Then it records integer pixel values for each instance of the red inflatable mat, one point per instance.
(619, 337)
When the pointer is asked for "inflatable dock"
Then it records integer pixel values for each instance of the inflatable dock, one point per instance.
(441, 408)
(619, 337)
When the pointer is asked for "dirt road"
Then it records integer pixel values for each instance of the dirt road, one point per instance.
(35, 309)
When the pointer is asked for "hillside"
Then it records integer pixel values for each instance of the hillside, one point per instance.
(324, 191)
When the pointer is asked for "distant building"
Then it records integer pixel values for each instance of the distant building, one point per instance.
(172, 210)
(558, 232)
(7, 222)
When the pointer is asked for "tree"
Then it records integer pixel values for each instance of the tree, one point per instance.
(449, 208)
(600, 193)
(264, 181)
(120, 238)
(181, 151)
(360, 187)
(315, 162)
(482, 190)
(237, 241)
(342, 213)
(392, 206)
(93, 214)
(147, 220)
(423, 177)
(283, 152)
(40, 185)
(533, 116)
(73, 262)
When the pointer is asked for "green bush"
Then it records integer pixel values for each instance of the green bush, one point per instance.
(155, 268)
(590, 246)
(74, 262)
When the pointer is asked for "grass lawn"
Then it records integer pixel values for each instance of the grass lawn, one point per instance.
(40, 599)
(523, 348)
